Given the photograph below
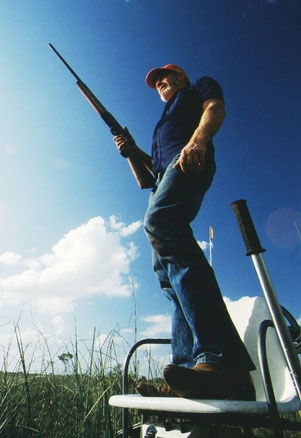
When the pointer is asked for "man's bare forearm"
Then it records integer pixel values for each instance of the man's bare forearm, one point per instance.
(145, 158)
(210, 123)
(192, 157)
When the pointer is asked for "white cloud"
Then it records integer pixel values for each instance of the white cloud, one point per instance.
(10, 258)
(115, 224)
(131, 229)
(102, 339)
(126, 331)
(58, 324)
(89, 260)
(111, 339)
(204, 245)
(92, 259)
(124, 230)
(157, 325)
(10, 149)
(39, 348)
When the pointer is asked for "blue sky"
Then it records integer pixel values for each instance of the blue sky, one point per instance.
(72, 247)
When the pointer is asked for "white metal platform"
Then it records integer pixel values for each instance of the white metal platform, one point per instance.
(189, 406)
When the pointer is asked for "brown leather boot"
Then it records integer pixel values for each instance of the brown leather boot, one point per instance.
(148, 390)
(210, 381)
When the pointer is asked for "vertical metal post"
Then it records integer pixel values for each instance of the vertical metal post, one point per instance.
(254, 250)
(210, 244)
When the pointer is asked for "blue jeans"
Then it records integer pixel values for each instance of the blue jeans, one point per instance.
(202, 330)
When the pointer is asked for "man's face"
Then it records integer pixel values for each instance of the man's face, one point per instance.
(167, 84)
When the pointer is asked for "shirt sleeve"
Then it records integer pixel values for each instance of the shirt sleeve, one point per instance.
(209, 88)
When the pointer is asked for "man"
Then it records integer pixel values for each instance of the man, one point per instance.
(209, 359)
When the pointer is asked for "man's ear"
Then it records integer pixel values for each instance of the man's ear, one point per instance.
(181, 76)
(185, 81)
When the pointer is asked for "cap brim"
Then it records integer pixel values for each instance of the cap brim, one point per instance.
(152, 76)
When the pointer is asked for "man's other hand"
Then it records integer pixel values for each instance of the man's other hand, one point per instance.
(192, 158)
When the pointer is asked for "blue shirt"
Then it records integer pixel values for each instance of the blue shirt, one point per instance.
(180, 118)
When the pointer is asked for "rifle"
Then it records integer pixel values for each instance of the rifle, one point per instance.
(140, 169)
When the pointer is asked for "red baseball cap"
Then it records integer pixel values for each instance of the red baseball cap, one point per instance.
(152, 74)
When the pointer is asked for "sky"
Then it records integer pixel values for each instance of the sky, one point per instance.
(73, 253)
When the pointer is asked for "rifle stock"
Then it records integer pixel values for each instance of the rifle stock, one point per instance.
(140, 170)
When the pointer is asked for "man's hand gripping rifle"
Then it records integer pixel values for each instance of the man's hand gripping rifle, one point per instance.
(139, 167)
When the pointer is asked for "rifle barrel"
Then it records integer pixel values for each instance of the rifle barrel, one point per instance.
(140, 170)
(65, 62)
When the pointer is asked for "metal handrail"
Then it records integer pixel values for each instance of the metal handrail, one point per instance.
(125, 382)
(266, 377)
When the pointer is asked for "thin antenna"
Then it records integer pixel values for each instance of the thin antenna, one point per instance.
(298, 232)
(210, 244)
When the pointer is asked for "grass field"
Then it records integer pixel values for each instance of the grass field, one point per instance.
(72, 402)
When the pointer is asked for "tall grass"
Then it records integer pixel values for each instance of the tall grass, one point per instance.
(69, 396)
(70, 403)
